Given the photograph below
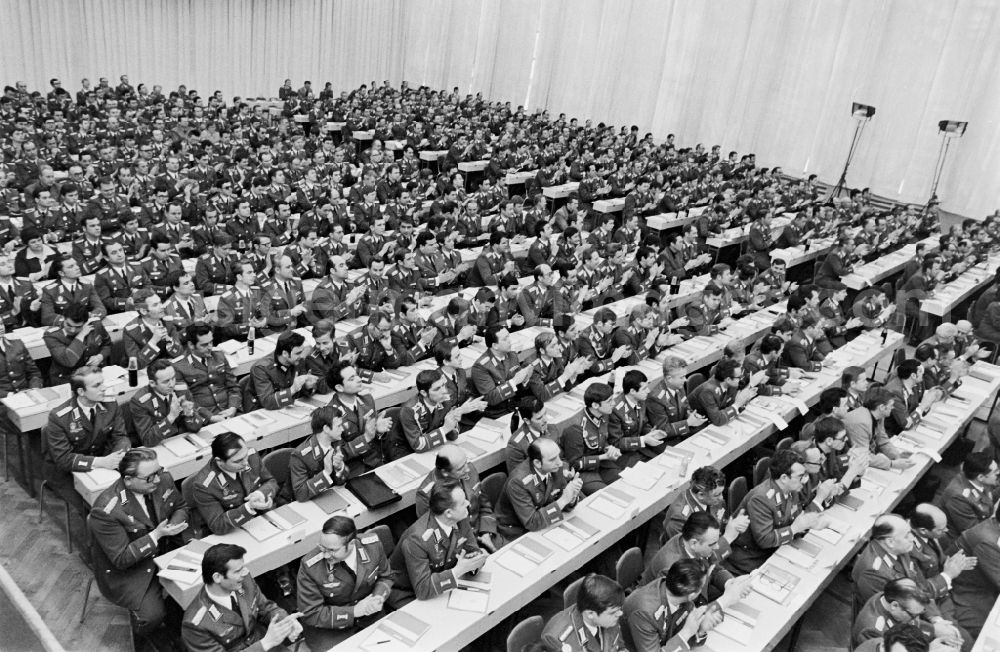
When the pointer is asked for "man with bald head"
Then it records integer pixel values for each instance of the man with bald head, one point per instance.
(930, 537)
(888, 557)
(538, 491)
(453, 463)
(335, 298)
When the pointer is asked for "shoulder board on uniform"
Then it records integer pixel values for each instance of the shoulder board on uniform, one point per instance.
(144, 398)
(518, 436)
(528, 479)
(876, 563)
(566, 632)
(315, 558)
(199, 615)
(208, 478)
(132, 326)
(111, 505)
(369, 539)
(427, 535)
(178, 359)
(427, 488)
(66, 410)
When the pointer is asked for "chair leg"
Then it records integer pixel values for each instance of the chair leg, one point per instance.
(69, 531)
(793, 636)
(86, 598)
(41, 501)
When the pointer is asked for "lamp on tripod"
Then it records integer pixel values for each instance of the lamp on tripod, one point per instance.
(861, 113)
(949, 130)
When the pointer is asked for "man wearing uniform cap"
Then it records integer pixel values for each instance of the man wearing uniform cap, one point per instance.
(343, 583)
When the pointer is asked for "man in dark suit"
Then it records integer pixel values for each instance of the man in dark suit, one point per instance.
(140, 516)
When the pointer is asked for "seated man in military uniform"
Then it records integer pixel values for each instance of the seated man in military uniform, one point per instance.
(438, 548)
(208, 376)
(343, 583)
(586, 444)
(592, 622)
(132, 522)
(231, 613)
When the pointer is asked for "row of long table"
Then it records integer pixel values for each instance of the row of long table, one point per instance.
(485, 444)
(520, 573)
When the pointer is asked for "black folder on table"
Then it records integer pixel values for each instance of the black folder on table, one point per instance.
(372, 491)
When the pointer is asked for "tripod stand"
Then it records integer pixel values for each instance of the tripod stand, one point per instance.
(858, 128)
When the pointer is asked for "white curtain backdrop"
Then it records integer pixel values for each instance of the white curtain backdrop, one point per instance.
(776, 77)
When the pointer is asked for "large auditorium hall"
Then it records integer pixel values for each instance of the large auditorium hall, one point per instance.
(499, 326)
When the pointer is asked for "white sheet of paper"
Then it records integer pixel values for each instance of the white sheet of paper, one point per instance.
(477, 601)
(516, 563)
(562, 538)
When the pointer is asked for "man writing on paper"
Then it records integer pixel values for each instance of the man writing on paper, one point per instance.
(661, 616)
(230, 612)
(537, 492)
(342, 583)
(776, 514)
(132, 522)
(438, 548)
(452, 463)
